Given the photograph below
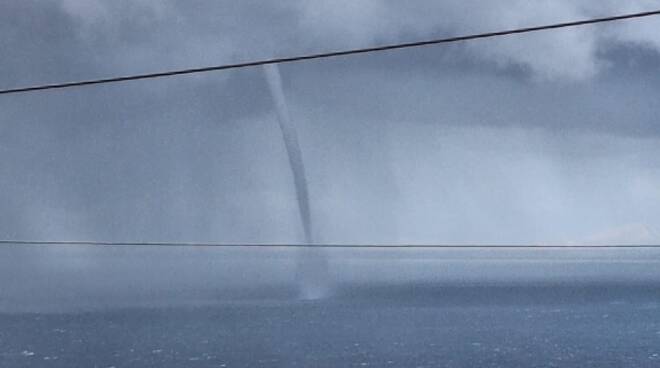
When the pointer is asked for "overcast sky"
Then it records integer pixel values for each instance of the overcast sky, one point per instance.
(542, 138)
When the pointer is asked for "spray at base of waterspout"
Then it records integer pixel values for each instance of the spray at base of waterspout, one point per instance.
(312, 275)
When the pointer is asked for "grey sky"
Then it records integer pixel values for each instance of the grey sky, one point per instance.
(548, 138)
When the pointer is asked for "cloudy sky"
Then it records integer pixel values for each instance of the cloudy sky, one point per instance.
(542, 138)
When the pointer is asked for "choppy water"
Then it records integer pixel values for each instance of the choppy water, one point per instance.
(406, 325)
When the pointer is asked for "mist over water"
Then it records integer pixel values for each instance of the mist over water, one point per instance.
(312, 265)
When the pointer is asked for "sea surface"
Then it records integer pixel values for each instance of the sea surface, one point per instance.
(606, 316)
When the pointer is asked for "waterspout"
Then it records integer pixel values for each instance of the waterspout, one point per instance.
(312, 263)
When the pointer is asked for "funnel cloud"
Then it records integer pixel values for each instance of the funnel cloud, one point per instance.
(294, 153)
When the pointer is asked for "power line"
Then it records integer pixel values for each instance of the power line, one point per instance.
(285, 245)
(291, 59)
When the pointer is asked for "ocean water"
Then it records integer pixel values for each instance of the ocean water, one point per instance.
(448, 310)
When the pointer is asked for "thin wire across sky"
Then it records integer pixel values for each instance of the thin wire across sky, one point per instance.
(290, 245)
(299, 58)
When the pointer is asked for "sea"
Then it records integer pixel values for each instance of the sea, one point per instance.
(559, 308)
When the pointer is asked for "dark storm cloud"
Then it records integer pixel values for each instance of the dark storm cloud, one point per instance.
(620, 102)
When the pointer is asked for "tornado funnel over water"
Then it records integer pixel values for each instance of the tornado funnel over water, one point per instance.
(312, 264)
(290, 137)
